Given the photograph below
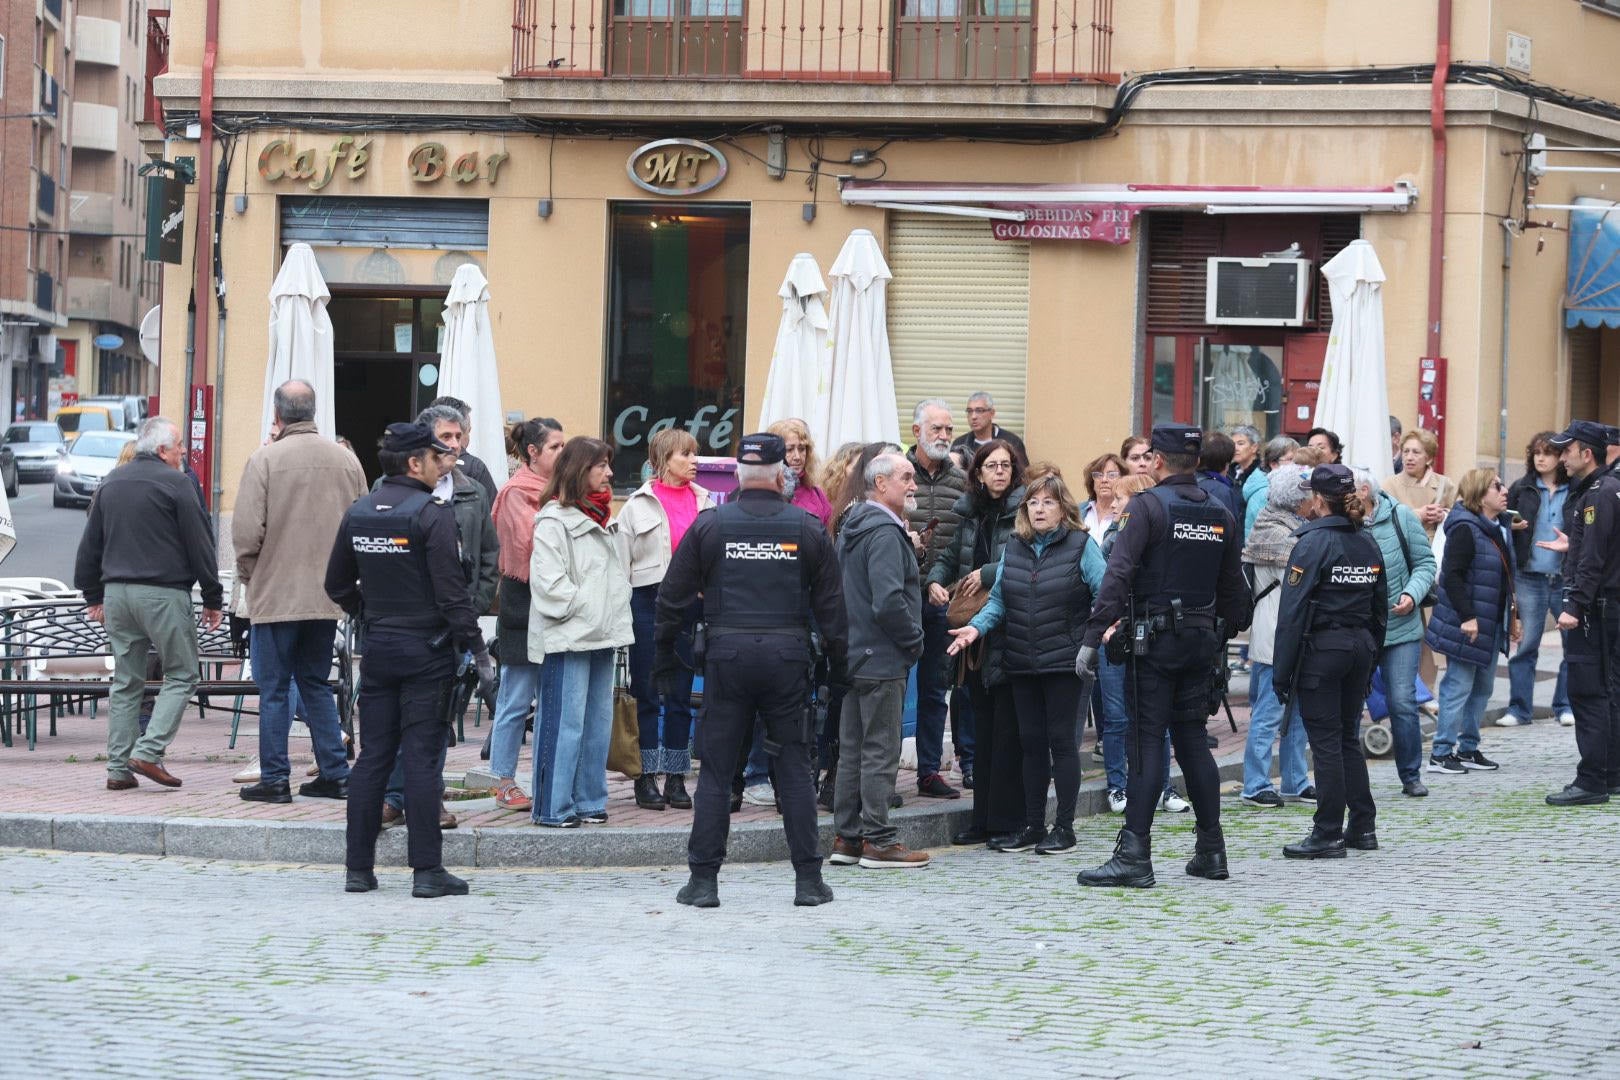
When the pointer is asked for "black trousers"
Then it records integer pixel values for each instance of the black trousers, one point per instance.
(404, 687)
(745, 675)
(1332, 685)
(998, 769)
(1595, 700)
(1167, 689)
(1049, 730)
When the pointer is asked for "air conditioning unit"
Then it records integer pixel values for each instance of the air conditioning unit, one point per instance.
(1257, 292)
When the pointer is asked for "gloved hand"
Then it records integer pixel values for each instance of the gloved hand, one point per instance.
(838, 673)
(666, 672)
(487, 679)
(1085, 662)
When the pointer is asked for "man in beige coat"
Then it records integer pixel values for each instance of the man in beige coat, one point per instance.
(294, 492)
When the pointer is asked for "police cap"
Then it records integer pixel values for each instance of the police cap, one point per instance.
(1334, 480)
(761, 449)
(1177, 439)
(1613, 434)
(406, 438)
(1590, 432)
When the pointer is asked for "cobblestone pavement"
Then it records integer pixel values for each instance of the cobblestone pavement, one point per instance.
(1479, 941)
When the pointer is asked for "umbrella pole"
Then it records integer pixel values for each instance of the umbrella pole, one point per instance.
(219, 411)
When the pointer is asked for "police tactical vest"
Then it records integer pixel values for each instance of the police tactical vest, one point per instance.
(1184, 560)
(759, 581)
(388, 541)
(1047, 603)
(1346, 583)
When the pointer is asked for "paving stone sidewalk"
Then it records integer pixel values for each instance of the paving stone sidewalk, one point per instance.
(1479, 941)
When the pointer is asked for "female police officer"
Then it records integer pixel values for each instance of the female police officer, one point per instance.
(1329, 627)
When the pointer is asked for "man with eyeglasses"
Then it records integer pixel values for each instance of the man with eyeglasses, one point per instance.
(982, 427)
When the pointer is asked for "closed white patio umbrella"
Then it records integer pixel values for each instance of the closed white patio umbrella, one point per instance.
(860, 395)
(8, 527)
(1354, 400)
(797, 384)
(300, 337)
(467, 367)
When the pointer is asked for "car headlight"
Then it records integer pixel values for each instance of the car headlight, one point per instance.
(64, 468)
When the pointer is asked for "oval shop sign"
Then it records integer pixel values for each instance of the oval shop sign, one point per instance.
(677, 167)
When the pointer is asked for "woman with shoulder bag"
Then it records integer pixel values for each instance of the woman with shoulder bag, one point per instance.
(1538, 498)
(989, 512)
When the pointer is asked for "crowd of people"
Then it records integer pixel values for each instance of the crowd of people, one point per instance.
(962, 562)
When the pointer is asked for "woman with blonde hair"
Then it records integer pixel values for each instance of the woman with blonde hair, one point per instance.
(1429, 494)
(1044, 584)
(650, 527)
(801, 462)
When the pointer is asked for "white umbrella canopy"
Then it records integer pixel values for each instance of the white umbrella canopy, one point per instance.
(300, 337)
(797, 384)
(860, 394)
(1354, 399)
(8, 527)
(467, 367)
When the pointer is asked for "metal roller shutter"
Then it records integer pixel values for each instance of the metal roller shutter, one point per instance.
(958, 316)
(434, 224)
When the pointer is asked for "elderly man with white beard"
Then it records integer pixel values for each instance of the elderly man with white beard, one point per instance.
(940, 482)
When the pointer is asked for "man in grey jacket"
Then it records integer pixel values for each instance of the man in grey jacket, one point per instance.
(883, 597)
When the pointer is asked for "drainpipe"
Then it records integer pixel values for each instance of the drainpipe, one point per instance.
(1437, 208)
(202, 257)
(1507, 326)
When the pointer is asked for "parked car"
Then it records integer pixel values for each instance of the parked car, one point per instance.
(73, 419)
(8, 471)
(79, 472)
(36, 444)
(132, 406)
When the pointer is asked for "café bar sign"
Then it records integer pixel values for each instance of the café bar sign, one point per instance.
(1102, 223)
(349, 157)
(677, 167)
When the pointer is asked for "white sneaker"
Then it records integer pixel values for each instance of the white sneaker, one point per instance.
(298, 730)
(248, 775)
(760, 795)
(1116, 801)
(1172, 802)
(1430, 708)
(1566, 718)
(1509, 720)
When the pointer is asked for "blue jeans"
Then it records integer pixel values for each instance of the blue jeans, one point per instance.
(666, 723)
(1538, 595)
(520, 685)
(286, 654)
(1465, 690)
(933, 690)
(1400, 667)
(572, 736)
(1115, 722)
(1265, 720)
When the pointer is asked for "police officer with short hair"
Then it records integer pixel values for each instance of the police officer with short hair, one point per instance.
(395, 566)
(1330, 626)
(763, 567)
(1175, 587)
(1590, 618)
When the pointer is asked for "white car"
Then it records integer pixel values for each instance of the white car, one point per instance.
(37, 445)
(80, 471)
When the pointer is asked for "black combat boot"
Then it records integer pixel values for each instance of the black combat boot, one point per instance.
(427, 884)
(648, 797)
(359, 881)
(675, 791)
(1131, 867)
(1209, 855)
(1318, 845)
(700, 890)
(810, 890)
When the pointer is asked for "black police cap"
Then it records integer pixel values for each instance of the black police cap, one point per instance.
(762, 449)
(404, 438)
(1176, 439)
(1590, 432)
(1335, 480)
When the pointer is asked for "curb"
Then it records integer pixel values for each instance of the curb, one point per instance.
(920, 828)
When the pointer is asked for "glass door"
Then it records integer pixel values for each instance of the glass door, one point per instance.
(1217, 381)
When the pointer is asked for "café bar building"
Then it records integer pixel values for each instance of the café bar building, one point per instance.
(1098, 250)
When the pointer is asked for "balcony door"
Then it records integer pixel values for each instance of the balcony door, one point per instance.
(964, 40)
(691, 39)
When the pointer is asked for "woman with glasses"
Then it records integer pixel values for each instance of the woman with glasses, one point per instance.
(989, 511)
(1474, 620)
(1101, 476)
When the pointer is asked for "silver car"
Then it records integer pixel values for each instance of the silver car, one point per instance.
(37, 445)
(80, 471)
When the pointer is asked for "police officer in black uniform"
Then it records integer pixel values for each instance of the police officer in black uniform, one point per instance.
(1330, 626)
(395, 566)
(1176, 589)
(763, 567)
(1590, 618)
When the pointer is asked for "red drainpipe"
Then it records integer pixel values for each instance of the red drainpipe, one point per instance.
(202, 261)
(1437, 203)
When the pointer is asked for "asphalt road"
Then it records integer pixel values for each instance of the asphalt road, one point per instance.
(47, 538)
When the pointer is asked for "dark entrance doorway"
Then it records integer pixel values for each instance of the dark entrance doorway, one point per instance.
(385, 364)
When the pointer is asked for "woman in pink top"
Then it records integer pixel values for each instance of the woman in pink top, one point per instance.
(801, 461)
(650, 527)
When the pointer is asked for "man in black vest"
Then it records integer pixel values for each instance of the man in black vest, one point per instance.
(395, 566)
(763, 567)
(1174, 571)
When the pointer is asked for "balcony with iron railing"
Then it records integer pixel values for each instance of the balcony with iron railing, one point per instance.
(50, 93)
(44, 197)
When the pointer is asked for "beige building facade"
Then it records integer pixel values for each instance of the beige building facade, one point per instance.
(400, 155)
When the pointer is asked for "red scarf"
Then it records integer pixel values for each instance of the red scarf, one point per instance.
(597, 505)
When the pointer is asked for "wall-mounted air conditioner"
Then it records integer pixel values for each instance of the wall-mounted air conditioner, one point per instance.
(1257, 292)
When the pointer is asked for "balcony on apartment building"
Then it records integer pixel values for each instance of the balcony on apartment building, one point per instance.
(44, 291)
(50, 93)
(44, 202)
(816, 59)
(91, 298)
(97, 41)
(95, 127)
(51, 9)
(90, 213)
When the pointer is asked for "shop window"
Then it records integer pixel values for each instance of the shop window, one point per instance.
(386, 365)
(676, 328)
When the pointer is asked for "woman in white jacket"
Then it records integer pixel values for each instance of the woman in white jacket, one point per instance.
(579, 614)
(648, 530)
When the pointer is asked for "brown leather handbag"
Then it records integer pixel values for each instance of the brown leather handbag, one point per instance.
(963, 607)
